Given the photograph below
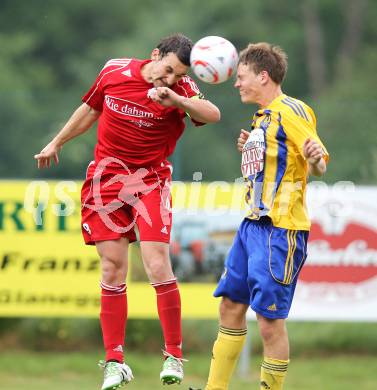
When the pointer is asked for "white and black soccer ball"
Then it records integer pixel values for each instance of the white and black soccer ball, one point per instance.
(213, 59)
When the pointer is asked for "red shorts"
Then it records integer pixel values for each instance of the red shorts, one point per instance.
(115, 199)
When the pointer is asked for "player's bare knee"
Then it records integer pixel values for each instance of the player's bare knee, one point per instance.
(233, 312)
(114, 270)
(270, 328)
(267, 332)
(158, 269)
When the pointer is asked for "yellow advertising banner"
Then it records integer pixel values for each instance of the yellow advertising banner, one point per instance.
(46, 270)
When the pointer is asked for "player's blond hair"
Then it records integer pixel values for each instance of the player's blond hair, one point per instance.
(265, 56)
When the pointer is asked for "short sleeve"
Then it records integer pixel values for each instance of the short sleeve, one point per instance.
(94, 97)
(188, 88)
(300, 129)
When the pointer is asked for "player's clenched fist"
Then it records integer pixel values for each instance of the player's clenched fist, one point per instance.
(241, 140)
(165, 96)
(313, 151)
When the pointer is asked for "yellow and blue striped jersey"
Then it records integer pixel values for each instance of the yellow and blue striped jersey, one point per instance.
(273, 164)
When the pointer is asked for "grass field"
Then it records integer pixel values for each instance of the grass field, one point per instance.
(75, 371)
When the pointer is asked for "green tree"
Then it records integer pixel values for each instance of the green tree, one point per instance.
(50, 53)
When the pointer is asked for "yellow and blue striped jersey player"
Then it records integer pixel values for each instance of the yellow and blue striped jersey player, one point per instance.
(270, 247)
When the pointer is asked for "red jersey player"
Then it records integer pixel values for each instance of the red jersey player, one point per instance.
(140, 106)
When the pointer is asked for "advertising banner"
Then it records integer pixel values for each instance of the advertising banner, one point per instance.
(339, 279)
(46, 270)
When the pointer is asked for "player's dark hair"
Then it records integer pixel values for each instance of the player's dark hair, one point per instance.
(178, 44)
(264, 56)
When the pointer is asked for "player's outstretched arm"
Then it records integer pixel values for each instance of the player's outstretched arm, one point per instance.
(313, 153)
(80, 121)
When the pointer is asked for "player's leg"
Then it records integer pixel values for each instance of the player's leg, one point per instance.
(156, 261)
(154, 229)
(158, 268)
(274, 336)
(228, 345)
(108, 233)
(276, 352)
(113, 254)
(273, 272)
(113, 316)
(232, 331)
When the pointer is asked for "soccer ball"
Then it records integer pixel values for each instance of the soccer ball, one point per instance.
(213, 59)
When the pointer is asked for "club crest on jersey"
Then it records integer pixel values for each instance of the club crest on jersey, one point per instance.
(253, 153)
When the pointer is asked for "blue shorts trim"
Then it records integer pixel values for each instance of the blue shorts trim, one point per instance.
(262, 267)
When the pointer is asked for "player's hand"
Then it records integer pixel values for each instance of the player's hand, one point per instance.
(241, 140)
(313, 151)
(49, 152)
(166, 97)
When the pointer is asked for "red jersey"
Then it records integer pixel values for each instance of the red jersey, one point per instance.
(132, 127)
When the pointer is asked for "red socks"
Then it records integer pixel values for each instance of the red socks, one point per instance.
(113, 319)
(169, 311)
